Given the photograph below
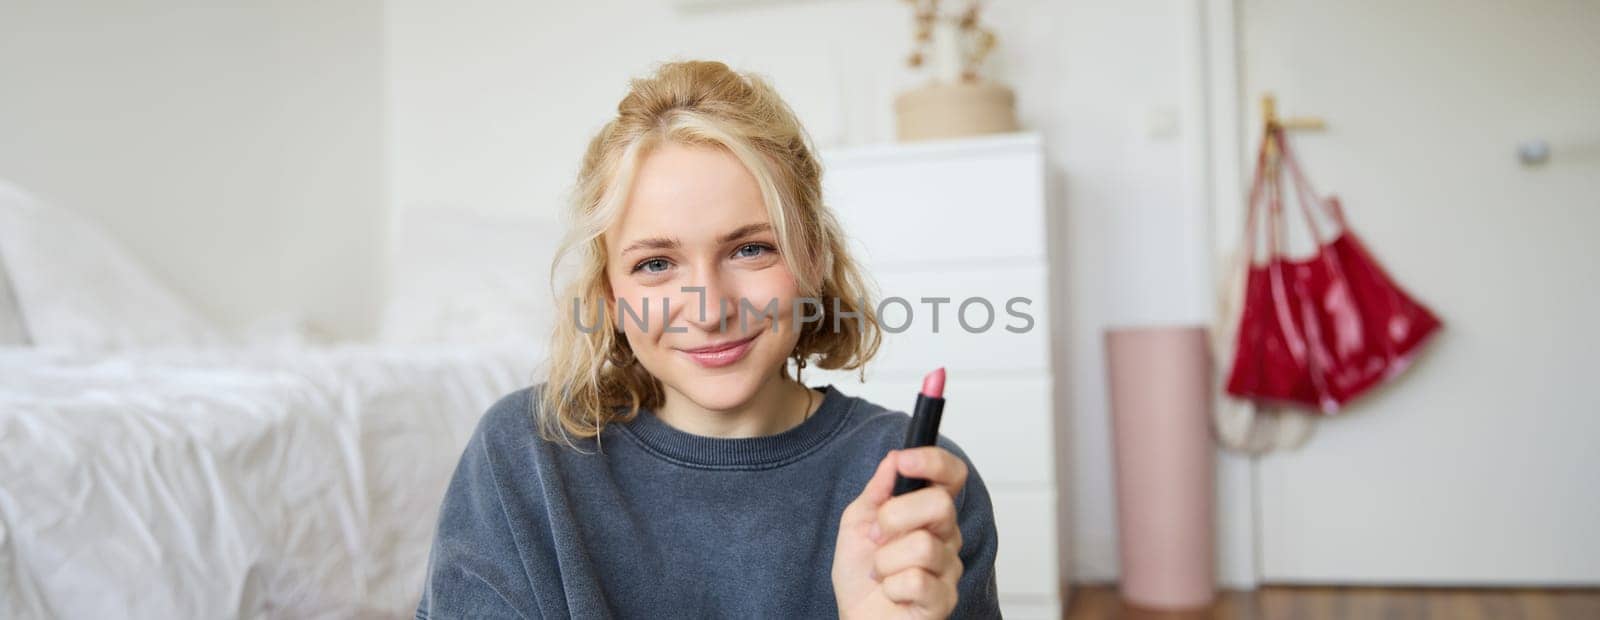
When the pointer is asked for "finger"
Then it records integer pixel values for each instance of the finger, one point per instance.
(917, 549)
(928, 508)
(940, 467)
(878, 489)
(922, 589)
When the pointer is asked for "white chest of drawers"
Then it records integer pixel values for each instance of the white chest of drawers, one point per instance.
(965, 220)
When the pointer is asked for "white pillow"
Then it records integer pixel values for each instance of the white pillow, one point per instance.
(77, 289)
(463, 277)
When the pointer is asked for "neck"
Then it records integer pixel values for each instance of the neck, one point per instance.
(781, 403)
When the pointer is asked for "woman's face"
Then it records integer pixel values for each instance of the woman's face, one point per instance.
(694, 233)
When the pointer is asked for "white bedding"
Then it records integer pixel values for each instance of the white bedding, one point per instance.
(231, 483)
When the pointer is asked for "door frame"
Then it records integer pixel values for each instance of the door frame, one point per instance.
(1215, 107)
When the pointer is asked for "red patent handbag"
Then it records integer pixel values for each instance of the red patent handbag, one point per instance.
(1316, 332)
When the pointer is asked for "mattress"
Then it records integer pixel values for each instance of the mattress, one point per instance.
(222, 483)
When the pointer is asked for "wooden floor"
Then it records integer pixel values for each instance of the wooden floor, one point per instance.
(1320, 603)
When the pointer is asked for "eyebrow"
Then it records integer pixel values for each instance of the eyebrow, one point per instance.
(744, 231)
(667, 243)
(653, 243)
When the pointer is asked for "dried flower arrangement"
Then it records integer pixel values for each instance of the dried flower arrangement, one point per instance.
(972, 42)
(958, 101)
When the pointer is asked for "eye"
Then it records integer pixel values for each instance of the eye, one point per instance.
(753, 250)
(652, 265)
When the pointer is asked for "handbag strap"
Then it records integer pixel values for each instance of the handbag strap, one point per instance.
(1293, 339)
(1253, 205)
(1306, 193)
(1266, 187)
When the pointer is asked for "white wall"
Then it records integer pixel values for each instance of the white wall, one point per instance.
(492, 103)
(236, 148)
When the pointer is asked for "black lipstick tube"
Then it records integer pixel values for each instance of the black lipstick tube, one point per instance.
(923, 431)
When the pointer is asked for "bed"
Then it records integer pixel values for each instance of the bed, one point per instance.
(230, 483)
(154, 466)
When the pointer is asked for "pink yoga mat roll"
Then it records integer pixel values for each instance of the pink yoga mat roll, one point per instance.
(1160, 382)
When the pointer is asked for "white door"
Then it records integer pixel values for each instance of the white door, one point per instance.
(1482, 463)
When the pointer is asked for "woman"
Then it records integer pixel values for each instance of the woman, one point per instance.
(670, 466)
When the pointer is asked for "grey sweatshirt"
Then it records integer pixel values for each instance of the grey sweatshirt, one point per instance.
(659, 523)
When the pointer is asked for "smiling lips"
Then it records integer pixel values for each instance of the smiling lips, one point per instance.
(722, 354)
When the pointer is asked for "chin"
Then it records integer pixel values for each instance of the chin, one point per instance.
(721, 392)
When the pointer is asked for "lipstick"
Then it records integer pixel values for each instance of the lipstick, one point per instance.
(924, 427)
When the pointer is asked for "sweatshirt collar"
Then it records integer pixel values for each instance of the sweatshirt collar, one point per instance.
(764, 452)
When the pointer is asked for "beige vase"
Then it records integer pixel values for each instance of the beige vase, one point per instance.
(952, 110)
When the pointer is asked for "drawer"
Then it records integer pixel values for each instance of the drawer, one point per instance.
(1027, 565)
(1030, 608)
(984, 205)
(917, 349)
(1003, 424)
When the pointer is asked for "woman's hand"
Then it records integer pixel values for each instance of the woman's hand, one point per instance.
(900, 556)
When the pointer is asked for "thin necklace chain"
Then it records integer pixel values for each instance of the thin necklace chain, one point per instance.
(805, 414)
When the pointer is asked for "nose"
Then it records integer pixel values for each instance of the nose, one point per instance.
(709, 303)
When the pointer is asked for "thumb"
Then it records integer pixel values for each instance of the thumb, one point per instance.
(878, 490)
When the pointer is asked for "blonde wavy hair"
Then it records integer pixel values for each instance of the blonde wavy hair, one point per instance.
(589, 382)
